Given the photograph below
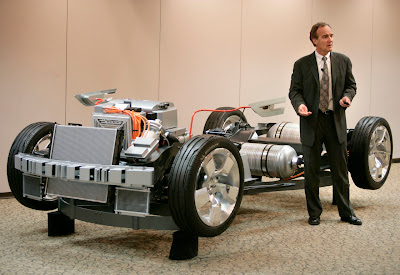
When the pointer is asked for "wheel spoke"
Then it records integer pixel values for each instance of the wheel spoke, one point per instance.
(383, 158)
(202, 197)
(216, 215)
(372, 142)
(384, 145)
(209, 168)
(227, 193)
(226, 196)
(233, 193)
(381, 131)
(373, 161)
(227, 166)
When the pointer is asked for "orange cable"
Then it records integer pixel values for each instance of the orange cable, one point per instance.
(136, 119)
(295, 176)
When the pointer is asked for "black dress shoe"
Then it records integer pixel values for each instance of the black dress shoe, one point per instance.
(352, 220)
(313, 220)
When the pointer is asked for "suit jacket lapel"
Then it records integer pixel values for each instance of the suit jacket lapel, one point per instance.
(314, 68)
(334, 71)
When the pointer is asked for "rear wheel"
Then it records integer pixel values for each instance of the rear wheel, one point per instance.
(223, 120)
(206, 185)
(370, 152)
(34, 139)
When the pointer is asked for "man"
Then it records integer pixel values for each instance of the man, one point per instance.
(322, 88)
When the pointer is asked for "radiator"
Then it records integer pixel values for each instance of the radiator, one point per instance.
(84, 145)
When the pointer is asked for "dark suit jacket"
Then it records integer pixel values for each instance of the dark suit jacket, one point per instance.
(305, 86)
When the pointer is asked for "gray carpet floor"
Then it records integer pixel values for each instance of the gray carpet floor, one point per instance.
(270, 235)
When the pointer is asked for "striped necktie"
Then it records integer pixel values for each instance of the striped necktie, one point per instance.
(324, 88)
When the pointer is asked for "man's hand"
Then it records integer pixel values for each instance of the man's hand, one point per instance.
(303, 110)
(345, 102)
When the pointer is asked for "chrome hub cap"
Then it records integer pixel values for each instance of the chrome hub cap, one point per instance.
(380, 149)
(230, 121)
(217, 187)
(42, 144)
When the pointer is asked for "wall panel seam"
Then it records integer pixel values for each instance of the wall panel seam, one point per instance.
(240, 52)
(66, 66)
(159, 54)
(371, 56)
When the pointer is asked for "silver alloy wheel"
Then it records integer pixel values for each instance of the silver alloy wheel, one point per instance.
(42, 144)
(217, 187)
(230, 121)
(379, 154)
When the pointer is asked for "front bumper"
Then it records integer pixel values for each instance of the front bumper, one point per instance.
(131, 185)
(117, 175)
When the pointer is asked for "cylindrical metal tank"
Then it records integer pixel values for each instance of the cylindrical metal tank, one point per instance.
(285, 130)
(274, 161)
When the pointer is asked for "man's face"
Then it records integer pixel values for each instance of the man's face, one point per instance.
(324, 42)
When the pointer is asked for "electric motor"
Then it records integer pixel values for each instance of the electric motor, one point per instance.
(270, 160)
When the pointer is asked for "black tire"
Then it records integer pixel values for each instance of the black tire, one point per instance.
(223, 120)
(189, 184)
(27, 142)
(370, 152)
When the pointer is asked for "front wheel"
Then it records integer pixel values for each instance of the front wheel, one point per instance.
(34, 139)
(370, 152)
(206, 185)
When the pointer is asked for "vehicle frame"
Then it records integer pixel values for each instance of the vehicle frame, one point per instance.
(164, 178)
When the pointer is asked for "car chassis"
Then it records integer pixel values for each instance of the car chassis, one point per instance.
(136, 168)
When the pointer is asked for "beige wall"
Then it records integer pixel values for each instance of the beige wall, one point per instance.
(197, 54)
(111, 44)
(200, 56)
(32, 68)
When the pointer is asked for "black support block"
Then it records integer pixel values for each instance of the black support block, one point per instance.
(59, 224)
(185, 246)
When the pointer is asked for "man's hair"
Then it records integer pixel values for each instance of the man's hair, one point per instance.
(314, 28)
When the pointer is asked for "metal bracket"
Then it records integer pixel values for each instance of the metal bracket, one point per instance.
(267, 108)
(89, 99)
